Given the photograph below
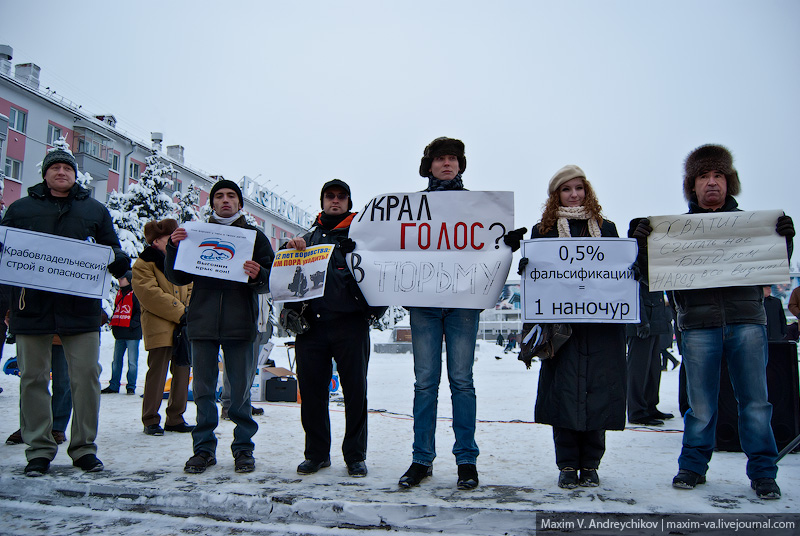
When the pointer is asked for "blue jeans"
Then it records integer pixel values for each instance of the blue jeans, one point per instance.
(460, 329)
(120, 345)
(238, 365)
(744, 347)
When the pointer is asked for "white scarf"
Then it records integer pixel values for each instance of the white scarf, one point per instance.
(575, 213)
(227, 221)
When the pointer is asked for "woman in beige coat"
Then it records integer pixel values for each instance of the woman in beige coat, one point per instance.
(163, 304)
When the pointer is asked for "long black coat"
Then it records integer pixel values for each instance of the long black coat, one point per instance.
(77, 216)
(583, 386)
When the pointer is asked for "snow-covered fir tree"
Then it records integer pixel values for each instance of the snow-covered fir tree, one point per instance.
(143, 202)
(187, 204)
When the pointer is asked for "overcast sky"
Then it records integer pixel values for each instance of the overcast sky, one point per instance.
(301, 92)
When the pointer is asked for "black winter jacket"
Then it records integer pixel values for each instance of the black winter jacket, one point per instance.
(717, 307)
(583, 386)
(77, 216)
(342, 295)
(220, 309)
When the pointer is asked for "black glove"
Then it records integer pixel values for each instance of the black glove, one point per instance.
(513, 238)
(785, 226)
(641, 232)
(347, 245)
(643, 331)
(523, 262)
(120, 266)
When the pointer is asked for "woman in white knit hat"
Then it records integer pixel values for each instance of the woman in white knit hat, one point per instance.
(581, 390)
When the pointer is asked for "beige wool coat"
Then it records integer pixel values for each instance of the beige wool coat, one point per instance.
(163, 303)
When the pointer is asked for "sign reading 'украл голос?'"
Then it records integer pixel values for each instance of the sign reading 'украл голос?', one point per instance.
(433, 249)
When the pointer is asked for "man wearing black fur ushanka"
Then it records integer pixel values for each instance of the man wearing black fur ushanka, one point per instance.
(727, 322)
(223, 314)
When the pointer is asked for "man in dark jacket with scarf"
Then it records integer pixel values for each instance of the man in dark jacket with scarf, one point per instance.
(339, 323)
(727, 322)
(58, 206)
(223, 314)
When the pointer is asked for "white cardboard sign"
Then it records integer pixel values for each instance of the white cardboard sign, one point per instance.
(718, 249)
(433, 249)
(580, 280)
(54, 263)
(215, 250)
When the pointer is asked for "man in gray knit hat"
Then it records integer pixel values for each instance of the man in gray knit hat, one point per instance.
(60, 207)
(727, 322)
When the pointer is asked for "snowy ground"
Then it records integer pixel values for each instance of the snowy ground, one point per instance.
(145, 491)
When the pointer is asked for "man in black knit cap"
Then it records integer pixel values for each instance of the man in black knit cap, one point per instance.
(59, 206)
(224, 314)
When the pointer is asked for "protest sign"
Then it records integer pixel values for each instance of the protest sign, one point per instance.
(54, 263)
(716, 249)
(580, 280)
(433, 249)
(215, 250)
(292, 270)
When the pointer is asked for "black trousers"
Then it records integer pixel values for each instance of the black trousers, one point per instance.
(346, 340)
(579, 449)
(644, 377)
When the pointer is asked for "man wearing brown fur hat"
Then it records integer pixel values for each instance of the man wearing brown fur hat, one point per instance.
(722, 322)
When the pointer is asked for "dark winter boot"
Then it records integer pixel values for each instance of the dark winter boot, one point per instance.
(415, 474)
(766, 488)
(589, 478)
(568, 478)
(467, 476)
(686, 479)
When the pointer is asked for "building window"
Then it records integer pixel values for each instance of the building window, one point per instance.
(114, 162)
(53, 133)
(93, 144)
(133, 171)
(17, 120)
(13, 169)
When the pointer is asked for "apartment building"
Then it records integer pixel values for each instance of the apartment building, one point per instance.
(33, 118)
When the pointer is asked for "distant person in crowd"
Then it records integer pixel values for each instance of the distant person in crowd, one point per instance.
(500, 340)
(60, 402)
(223, 314)
(339, 323)
(794, 303)
(719, 322)
(666, 341)
(581, 391)
(644, 357)
(59, 206)
(126, 326)
(163, 306)
(511, 343)
(776, 318)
